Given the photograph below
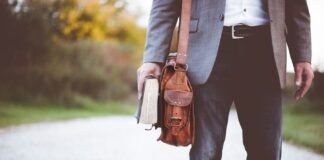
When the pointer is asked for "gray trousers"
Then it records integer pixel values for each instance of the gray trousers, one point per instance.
(244, 73)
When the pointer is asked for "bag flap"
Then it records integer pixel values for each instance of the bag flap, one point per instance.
(178, 98)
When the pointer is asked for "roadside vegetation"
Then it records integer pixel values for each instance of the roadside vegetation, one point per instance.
(303, 122)
(63, 59)
(59, 50)
(304, 127)
(16, 113)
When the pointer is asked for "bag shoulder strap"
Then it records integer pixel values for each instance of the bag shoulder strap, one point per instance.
(184, 32)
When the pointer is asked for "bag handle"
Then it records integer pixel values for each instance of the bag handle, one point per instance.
(184, 32)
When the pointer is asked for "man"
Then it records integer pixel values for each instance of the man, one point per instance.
(237, 53)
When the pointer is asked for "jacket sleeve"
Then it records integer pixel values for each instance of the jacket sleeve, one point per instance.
(298, 30)
(163, 18)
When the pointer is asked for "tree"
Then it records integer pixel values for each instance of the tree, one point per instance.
(55, 49)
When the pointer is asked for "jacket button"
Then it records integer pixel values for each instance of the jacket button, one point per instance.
(221, 17)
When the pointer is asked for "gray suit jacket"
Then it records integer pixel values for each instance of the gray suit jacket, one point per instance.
(289, 21)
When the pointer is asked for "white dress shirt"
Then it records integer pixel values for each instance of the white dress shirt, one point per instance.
(248, 12)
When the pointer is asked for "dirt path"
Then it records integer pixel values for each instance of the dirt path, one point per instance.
(111, 138)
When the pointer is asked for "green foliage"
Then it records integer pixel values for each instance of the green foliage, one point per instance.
(84, 20)
(97, 70)
(59, 50)
(97, 20)
(304, 128)
(13, 113)
(303, 119)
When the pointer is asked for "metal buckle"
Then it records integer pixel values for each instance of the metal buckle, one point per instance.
(175, 67)
(233, 33)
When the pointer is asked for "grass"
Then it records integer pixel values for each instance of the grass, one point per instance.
(15, 113)
(303, 126)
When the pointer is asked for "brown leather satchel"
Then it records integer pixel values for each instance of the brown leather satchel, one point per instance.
(176, 108)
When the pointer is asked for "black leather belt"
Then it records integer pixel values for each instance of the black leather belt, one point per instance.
(243, 31)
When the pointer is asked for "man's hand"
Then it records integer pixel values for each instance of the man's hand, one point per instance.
(145, 70)
(303, 78)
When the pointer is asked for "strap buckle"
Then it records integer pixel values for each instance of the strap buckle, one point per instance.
(233, 33)
(175, 67)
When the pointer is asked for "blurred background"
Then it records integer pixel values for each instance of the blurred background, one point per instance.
(62, 59)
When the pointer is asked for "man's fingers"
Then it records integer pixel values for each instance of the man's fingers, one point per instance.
(157, 73)
(298, 82)
(145, 70)
(298, 77)
(298, 94)
(303, 78)
(308, 81)
(140, 82)
(304, 90)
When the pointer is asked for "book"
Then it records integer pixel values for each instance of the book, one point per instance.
(147, 110)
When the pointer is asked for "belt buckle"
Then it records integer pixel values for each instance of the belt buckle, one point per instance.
(233, 33)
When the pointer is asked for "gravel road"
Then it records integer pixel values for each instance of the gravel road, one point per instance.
(112, 138)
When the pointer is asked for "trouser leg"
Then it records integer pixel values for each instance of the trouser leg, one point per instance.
(211, 112)
(258, 99)
(244, 71)
(212, 103)
(260, 119)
